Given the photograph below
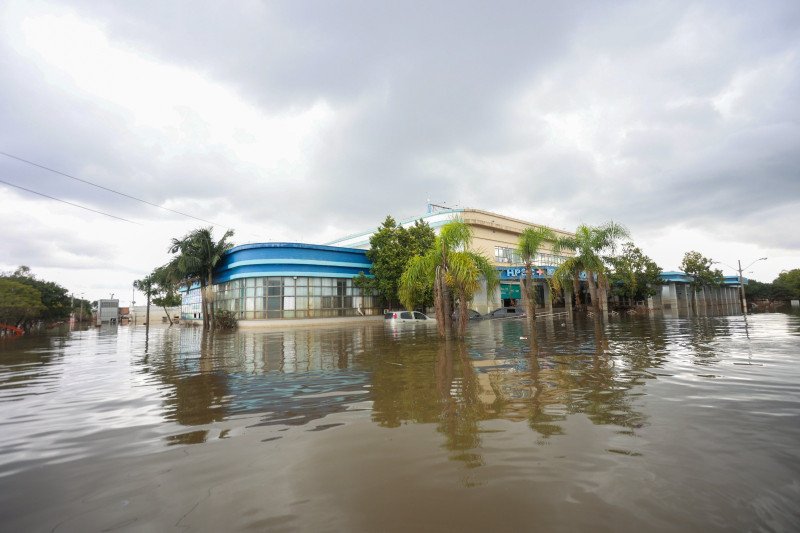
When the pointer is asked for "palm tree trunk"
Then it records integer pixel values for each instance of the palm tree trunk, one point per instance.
(447, 308)
(438, 301)
(593, 291)
(463, 315)
(530, 299)
(210, 300)
(204, 305)
(576, 289)
(164, 307)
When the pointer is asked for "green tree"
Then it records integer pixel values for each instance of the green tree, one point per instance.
(196, 256)
(453, 272)
(589, 244)
(787, 284)
(391, 248)
(20, 303)
(55, 298)
(633, 275)
(146, 285)
(166, 290)
(698, 268)
(530, 242)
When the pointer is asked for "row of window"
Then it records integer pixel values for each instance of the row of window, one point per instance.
(512, 257)
(286, 297)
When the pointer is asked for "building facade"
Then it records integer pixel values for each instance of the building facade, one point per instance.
(287, 280)
(495, 236)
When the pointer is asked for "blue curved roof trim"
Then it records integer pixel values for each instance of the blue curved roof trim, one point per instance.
(681, 277)
(291, 259)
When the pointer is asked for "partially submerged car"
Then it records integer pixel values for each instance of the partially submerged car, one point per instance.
(507, 312)
(471, 314)
(406, 316)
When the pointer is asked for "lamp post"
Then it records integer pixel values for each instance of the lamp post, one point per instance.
(741, 279)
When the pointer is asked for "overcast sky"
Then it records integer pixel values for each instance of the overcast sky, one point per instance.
(307, 121)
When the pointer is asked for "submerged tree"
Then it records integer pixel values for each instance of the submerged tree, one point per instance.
(530, 241)
(20, 304)
(589, 245)
(197, 255)
(166, 294)
(54, 297)
(391, 248)
(698, 268)
(634, 275)
(147, 286)
(454, 273)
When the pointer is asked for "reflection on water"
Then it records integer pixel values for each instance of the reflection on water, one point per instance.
(670, 393)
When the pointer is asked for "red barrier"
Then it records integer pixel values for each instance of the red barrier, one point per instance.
(13, 329)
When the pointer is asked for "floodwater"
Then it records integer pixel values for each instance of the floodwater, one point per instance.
(636, 424)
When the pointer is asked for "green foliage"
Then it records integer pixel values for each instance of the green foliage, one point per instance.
(54, 297)
(19, 302)
(787, 284)
(225, 319)
(698, 267)
(452, 272)
(530, 241)
(633, 275)
(589, 245)
(196, 256)
(391, 249)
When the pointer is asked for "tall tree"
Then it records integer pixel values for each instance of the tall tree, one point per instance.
(589, 245)
(530, 242)
(20, 304)
(166, 289)
(698, 268)
(787, 284)
(633, 275)
(391, 248)
(55, 298)
(197, 255)
(453, 271)
(146, 285)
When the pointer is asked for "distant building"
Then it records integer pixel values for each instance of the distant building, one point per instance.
(107, 311)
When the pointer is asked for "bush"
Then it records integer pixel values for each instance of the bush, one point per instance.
(224, 319)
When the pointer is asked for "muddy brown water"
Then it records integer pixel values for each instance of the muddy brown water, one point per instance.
(636, 424)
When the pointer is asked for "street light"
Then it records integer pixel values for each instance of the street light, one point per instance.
(741, 278)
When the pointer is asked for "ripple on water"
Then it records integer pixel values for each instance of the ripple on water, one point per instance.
(633, 410)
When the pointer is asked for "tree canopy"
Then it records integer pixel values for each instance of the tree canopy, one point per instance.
(452, 271)
(19, 302)
(391, 249)
(530, 242)
(698, 267)
(196, 256)
(633, 275)
(54, 298)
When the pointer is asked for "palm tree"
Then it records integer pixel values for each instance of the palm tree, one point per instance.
(454, 272)
(588, 244)
(530, 241)
(198, 255)
(147, 286)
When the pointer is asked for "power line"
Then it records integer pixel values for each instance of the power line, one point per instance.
(69, 203)
(107, 189)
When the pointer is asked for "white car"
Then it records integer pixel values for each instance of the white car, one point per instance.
(407, 316)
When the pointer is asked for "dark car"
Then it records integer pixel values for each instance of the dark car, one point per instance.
(507, 312)
(471, 314)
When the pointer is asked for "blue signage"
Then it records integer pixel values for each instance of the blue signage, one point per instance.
(519, 272)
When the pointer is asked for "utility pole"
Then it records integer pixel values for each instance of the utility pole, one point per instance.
(741, 288)
(741, 281)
